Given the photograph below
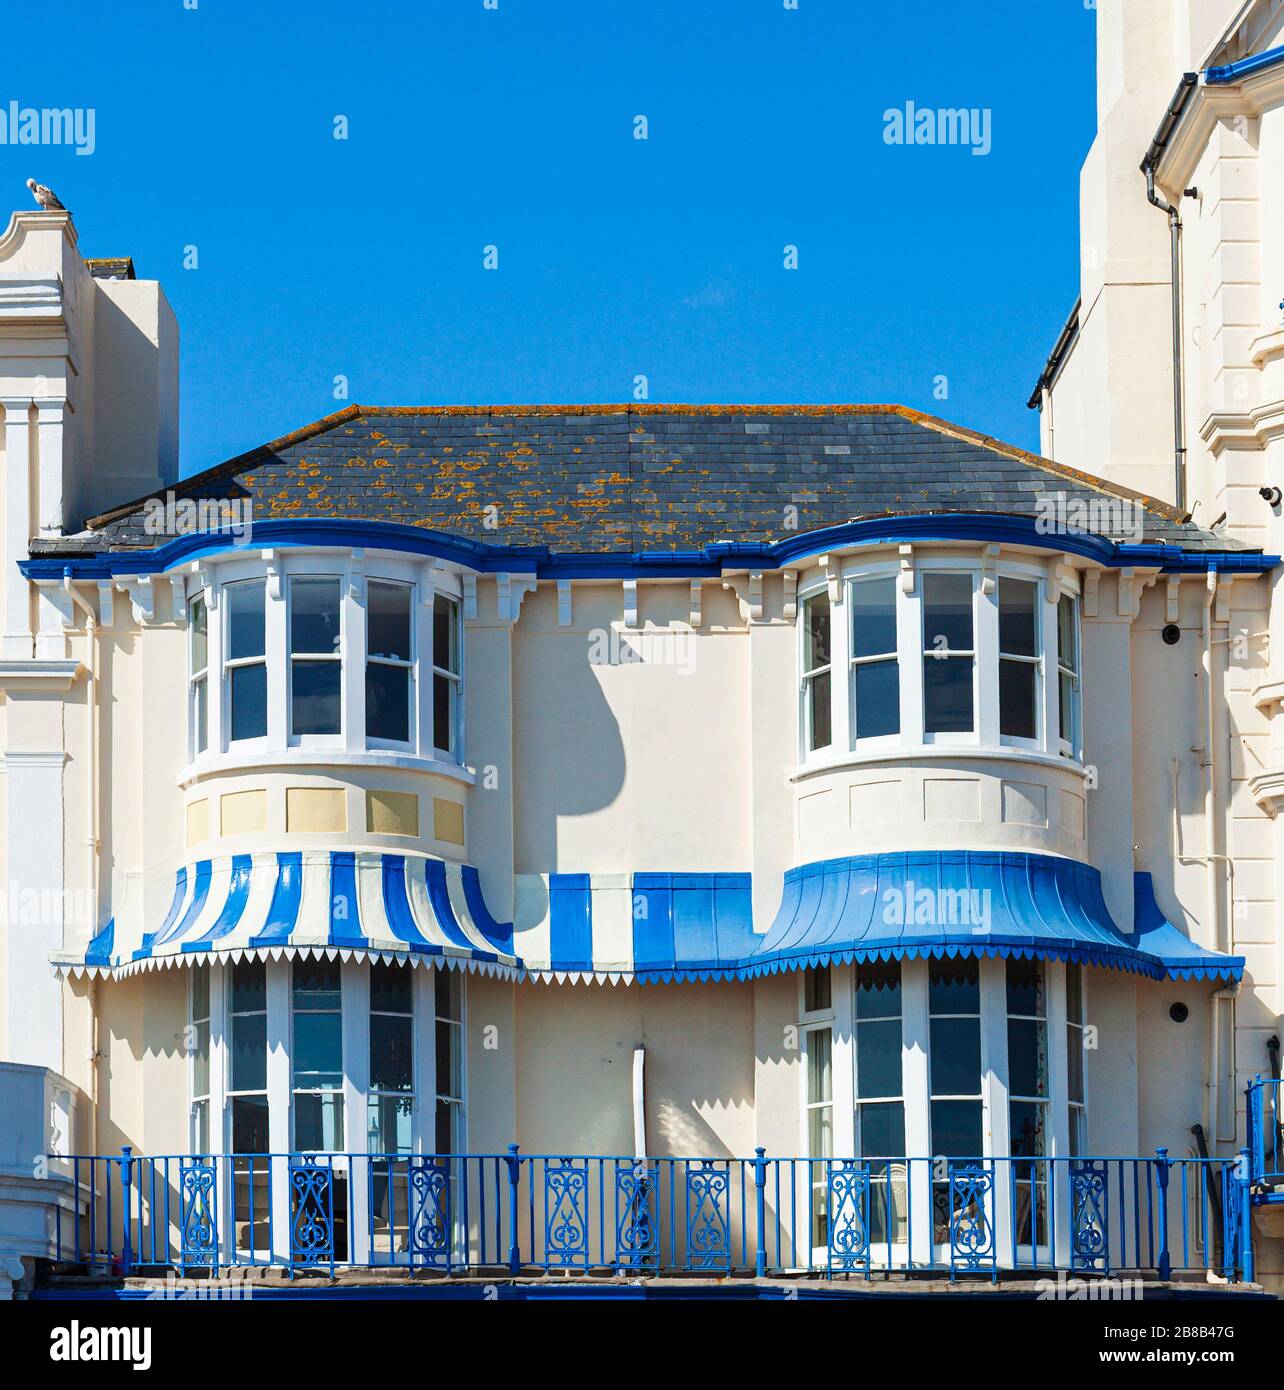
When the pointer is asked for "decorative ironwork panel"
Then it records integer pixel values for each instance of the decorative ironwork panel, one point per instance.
(637, 1232)
(708, 1214)
(431, 1237)
(198, 1228)
(849, 1198)
(311, 1211)
(1089, 1209)
(566, 1227)
(972, 1244)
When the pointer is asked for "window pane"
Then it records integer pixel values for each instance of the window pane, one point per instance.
(249, 987)
(390, 1053)
(199, 627)
(947, 695)
(250, 1125)
(314, 615)
(447, 1059)
(956, 1056)
(316, 984)
(245, 635)
(947, 612)
(954, 987)
(445, 634)
(1025, 988)
(315, 699)
(877, 695)
(1028, 1134)
(878, 990)
(447, 995)
(388, 702)
(878, 1059)
(200, 991)
(1068, 697)
(882, 1131)
(819, 1080)
(1074, 1057)
(1018, 617)
(318, 1049)
(818, 712)
(956, 1128)
(1018, 717)
(388, 1124)
(820, 1132)
(249, 1052)
(443, 713)
(318, 1122)
(388, 620)
(201, 1127)
(1074, 992)
(874, 617)
(391, 989)
(816, 633)
(201, 713)
(816, 990)
(201, 1058)
(1027, 1058)
(249, 701)
(447, 1127)
(1068, 632)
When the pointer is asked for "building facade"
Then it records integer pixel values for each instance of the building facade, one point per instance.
(811, 840)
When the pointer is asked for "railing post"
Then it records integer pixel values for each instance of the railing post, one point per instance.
(760, 1203)
(126, 1189)
(1243, 1178)
(1165, 1263)
(1256, 1135)
(514, 1176)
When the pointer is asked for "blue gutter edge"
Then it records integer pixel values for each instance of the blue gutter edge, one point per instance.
(710, 561)
(1246, 67)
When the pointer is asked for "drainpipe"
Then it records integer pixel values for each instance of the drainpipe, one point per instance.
(94, 840)
(1185, 89)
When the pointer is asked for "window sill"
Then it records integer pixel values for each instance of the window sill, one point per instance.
(234, 762)
(836, 762)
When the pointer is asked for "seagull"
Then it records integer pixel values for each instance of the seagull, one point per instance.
(46, 197)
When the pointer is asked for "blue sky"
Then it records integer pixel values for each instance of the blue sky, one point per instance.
(514, 127)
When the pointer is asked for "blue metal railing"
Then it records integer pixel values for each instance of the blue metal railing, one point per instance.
(534, 1213)
(1265, 1138)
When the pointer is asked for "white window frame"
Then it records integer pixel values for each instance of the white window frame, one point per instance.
(871, 743)
(1038, 661)
(411, 666)
(456, 679)
(930, 652)
(806, 676)
(1072, 748)
(341, 660)
(228, 664)
(198, 727)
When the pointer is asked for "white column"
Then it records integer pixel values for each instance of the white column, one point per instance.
(356, 1086)
(36, 905)
(276, 640)
(49, 422)
(844, 1061)
(986, 641)
(17, 525)
(996, 1134)
(279, 1101)
(425, 1063)
(915, 1027)
(909, 652)
(353, 646)
(1058, 1106)
(840, 655)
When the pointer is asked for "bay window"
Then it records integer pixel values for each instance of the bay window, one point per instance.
(317, 1055)
(1028, 1094)
(286, 655)
(391, 1101)
(939, 652)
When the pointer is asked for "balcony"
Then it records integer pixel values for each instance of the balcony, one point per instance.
(519, 1215)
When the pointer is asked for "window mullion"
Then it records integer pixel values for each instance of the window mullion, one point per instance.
(909, 655)
(840, 686)
(352, 647)
(985, 665)
(276, 642)
(844, 1061)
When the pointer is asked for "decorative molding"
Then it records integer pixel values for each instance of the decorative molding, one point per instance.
(26, 296)
(833, 567)
(907, 568)
(470, 597)
(1091, 584)
(178, 599)
(696, 615)
(564, 599)
(21, 757)
(1172, 599)
(107, 603)
(58, 674)
(630, 603)
(142, 598)
(755, 596)
(989, 569)
(1269, 697)
(272, 567)
(58, 597)
(789, 607)
(511, 589)
(1222, 596)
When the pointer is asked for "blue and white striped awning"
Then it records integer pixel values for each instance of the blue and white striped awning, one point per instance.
(350, 904)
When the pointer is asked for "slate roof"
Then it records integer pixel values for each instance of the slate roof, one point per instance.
(594, 479)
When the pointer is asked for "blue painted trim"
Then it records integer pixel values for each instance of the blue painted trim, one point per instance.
(238, 895)
(200, 892)
(1246, 67)
(283, 914)
(710, 561)
(500, 933)
(1179, 956)
(176, 902)
(99, 950)
(439, 897)
(396, 904)
(570, 916)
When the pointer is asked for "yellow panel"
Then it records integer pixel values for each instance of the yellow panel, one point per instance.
(314, 809)
(198, 822)
(243, 813)
(392, 813)
(447, 821)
